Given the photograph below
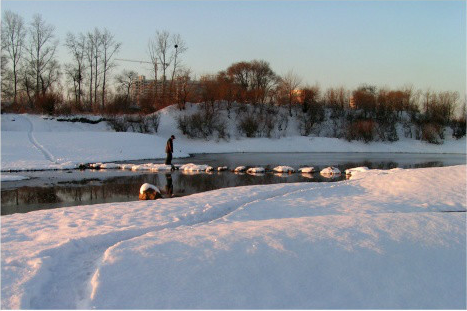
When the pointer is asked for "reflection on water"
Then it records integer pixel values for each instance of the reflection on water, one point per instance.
(55, 189)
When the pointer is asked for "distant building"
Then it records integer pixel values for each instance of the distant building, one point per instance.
(298, 95)
(141, 88)
(352, 104)
(144, 87)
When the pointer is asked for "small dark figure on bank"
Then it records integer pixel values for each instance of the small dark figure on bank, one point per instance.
(169, 147)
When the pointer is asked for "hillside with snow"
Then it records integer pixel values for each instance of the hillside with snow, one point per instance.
(385, 239)
(39, 142)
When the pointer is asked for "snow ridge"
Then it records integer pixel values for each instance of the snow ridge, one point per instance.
(81, 258)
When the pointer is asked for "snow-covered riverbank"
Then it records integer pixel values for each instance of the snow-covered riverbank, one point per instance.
(31, 142)
(390, 239)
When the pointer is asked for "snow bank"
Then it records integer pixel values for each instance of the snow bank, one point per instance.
(12, 177)
(35, 142)
(353, 170)
(393, 239)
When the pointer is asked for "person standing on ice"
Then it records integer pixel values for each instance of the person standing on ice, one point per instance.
(169, 148)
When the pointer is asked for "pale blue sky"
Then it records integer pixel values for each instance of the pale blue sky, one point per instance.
(386, 43)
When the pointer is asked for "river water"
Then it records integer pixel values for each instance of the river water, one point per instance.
(55, 189)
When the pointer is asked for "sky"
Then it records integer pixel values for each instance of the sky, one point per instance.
(332, 43)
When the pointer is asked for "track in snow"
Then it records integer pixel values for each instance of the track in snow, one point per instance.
(49, 156)
(74, 263)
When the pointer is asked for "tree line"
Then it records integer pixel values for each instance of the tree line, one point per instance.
(33, 80)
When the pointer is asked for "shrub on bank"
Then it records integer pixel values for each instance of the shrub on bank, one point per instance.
(361, 130)
(202, 124)
(135, 123)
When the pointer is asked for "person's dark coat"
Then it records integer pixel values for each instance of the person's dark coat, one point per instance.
(169, 147)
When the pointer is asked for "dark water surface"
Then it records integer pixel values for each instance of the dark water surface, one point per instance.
(54, 189)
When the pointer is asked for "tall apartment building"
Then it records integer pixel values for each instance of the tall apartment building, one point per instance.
(143, 87)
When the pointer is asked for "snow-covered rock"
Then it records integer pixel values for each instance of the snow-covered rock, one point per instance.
(255, 170)
(110, 166)
(308, 170)
(349, 171)
(160, 167)
(96, 165)
(149, 192)
(240, 169)
(147, 186)
(284, 169)
(330, 171)
(191, 167)
(141, 167)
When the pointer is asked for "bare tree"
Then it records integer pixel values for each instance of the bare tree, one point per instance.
(90, 59)
(254, 80)
(6, 78)
(13, 36)
(289, 84)
(41, 48)
(180, 48)
(125, 81)
(163, 51)
(93, 57)
(262, 79)
(109, 48)
(75, 71)
(164, 56)
(152, 52)
(365, 99)
(184, 90)
(448, 102)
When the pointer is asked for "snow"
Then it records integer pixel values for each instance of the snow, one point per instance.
(240, 168)
(255, 170)
(385, 239)
(110, 166)
(12, 177)
(147, 186)
(283, 169)
(330, 171)
(153, 167)
(34, 142)
(306, 170)
(351, 171)
(191, 167)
